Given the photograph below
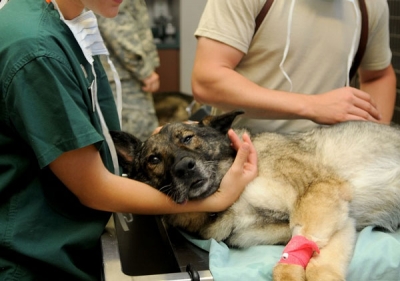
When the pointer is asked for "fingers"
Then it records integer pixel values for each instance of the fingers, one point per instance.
(151, 87)
(242, 155)
(363, 95)
(246, 157)
(252, 155)
(365, 106)
(152, 83)
(156, 130)
(235, 140)
(343, 104)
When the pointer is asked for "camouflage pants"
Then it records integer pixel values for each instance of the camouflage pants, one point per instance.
(138, 113)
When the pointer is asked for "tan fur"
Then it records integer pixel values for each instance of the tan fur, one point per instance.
(173, 107)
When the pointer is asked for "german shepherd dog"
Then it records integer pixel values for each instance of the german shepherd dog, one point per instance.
(321, 185)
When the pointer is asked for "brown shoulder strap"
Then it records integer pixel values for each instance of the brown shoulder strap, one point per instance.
(363, 39)
(260, 17)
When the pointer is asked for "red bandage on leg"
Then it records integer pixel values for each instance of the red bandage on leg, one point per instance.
(299, 251)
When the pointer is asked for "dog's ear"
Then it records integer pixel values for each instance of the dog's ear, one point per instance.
(221, 122)
(125, 144)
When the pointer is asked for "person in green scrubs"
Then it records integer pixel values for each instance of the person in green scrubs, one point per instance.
(57, 181)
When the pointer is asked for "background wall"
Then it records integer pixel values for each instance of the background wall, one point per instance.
(177, 58)
(190, 12)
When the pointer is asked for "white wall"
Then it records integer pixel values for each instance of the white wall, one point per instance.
(190, 12)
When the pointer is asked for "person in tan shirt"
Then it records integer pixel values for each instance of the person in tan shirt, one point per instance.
(291, 75)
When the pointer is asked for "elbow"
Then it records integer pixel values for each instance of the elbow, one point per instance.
(96, 200)
(199, 91)
(89, 202)
(202, 89)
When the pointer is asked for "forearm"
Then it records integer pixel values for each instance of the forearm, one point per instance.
(118, 194)
(83, 172)
(228, 90)
(383, 90)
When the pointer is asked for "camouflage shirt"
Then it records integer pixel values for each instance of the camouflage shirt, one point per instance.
(129, 40)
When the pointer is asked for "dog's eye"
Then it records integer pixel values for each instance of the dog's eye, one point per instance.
(153, 159)
(186, 140)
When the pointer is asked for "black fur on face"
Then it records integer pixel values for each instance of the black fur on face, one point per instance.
(185, 161)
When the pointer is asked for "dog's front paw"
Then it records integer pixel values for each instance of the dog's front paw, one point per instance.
(288, 272)
(322, 272)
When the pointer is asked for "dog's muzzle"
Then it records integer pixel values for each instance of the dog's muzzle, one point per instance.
(185, 168)
(190, 182)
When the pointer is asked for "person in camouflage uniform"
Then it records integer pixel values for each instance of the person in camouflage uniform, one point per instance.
(129, 40)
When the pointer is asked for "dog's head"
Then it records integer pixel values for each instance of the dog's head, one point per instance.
(185, 161)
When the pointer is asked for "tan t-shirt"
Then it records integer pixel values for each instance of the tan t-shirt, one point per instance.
(321, 37)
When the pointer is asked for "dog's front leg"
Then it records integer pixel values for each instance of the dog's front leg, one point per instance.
(294, 260)
(332, 262)
(319, 218)
(286, 272)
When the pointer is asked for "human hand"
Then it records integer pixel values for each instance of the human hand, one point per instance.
(151, 83)
(157, 130)
(343, 104)
(242, 172)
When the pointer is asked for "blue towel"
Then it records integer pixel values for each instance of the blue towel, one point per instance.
(376, 258)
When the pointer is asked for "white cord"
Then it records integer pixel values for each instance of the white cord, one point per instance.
(118, 88)
(285, 52)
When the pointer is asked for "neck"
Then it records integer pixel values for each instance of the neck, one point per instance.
(70, 8)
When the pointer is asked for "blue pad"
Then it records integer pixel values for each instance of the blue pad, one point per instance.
(376, 258)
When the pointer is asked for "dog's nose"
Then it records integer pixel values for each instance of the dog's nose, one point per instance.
(185, 167)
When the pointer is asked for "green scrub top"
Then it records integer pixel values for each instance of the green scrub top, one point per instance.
(45, 110)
